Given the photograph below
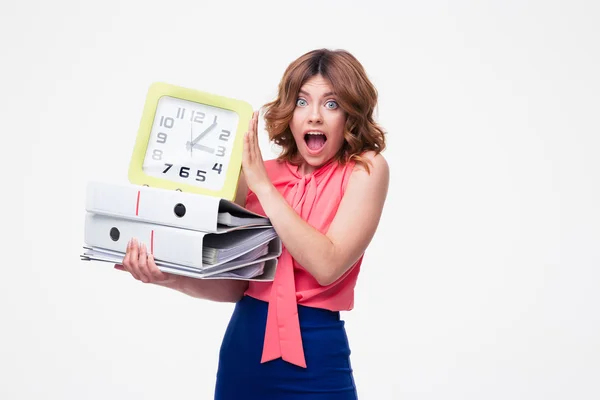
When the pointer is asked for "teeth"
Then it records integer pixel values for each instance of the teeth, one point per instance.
(315, 133)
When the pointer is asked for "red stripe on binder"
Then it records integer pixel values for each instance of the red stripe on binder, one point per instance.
(137, 204)
(152, 242)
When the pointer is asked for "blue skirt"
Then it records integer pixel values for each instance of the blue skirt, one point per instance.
(242, 376)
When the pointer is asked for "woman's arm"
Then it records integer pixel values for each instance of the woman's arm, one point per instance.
(220, 290)
(328, 256)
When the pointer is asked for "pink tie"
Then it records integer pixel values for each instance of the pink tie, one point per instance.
(282, 335)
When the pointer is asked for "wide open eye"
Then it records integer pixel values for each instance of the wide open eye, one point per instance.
(331, 104)
(301, 103)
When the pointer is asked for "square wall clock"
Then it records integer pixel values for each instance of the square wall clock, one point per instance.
(190, 140)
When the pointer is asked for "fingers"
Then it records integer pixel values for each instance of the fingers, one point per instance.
(252, 150)
(128, 260)
(143, 264)
(140, 264)
(155, 274)
(250, 134)
(148, 268)
(253, 123)
(131, 259)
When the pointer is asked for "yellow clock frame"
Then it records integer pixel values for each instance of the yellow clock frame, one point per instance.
(244, 110)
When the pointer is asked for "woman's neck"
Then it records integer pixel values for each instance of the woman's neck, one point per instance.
(306, 169)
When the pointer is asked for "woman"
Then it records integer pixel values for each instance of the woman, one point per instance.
(324, 195)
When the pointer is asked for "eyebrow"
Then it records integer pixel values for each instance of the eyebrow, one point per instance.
(324, 95)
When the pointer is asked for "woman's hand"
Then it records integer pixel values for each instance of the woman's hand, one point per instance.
(142, 267)
(252, 161)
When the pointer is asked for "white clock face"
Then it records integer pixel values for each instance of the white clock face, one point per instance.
(190, 143)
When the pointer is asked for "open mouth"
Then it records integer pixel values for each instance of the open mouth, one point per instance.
(315, 140)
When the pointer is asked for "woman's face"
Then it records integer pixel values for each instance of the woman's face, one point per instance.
(317, 123)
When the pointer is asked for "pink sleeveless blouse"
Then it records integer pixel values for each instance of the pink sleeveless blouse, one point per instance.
(316, 198)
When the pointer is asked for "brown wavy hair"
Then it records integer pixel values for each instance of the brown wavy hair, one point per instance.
(355, 94)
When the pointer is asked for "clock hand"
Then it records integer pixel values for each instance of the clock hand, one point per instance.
(190, 146)
(191, 136)
(203, 148)
(200, 136)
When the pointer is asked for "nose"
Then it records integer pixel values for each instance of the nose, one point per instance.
(314, 116)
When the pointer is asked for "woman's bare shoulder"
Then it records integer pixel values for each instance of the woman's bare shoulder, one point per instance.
(376, 163)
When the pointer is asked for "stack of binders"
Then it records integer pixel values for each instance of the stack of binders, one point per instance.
(189, 234)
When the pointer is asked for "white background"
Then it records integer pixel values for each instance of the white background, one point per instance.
(482, 280)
